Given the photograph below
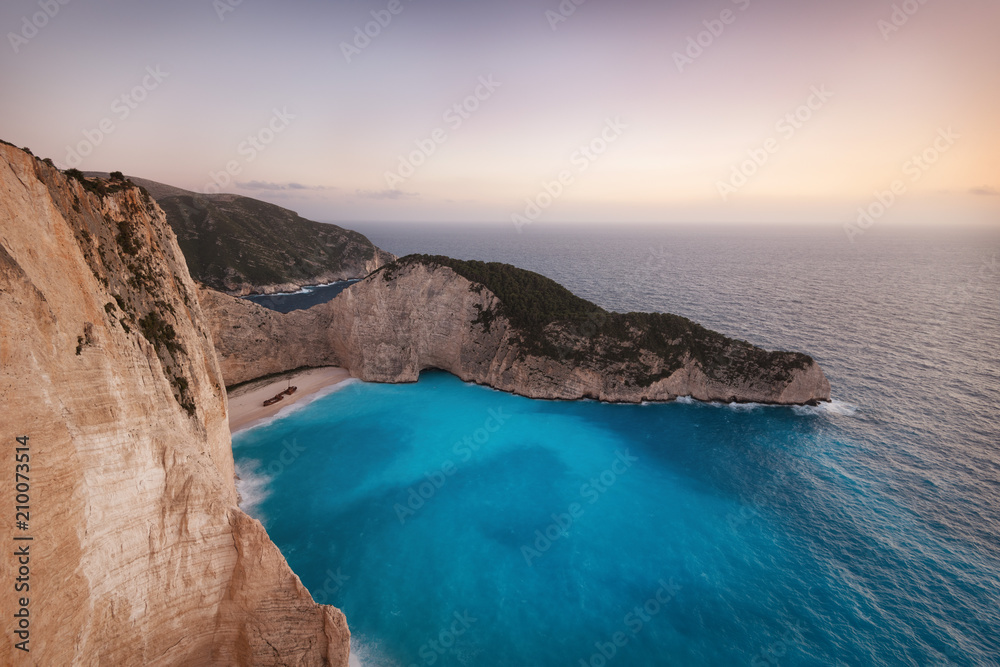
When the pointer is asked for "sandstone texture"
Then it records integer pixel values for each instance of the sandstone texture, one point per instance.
(252, 341)
(418, 315)
(139, 555)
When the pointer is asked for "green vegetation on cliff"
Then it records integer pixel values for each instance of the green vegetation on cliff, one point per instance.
(230, 240)
(553, 322)
(115, 242)
(238, 244)
(530, 300)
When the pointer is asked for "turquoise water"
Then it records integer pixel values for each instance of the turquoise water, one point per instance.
(457, 525)
(544, 525)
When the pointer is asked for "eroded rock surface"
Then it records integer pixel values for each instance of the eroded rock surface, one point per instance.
(418, 314)
(139, 555)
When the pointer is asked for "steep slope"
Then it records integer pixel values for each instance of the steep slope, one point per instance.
(139, 554)
(241, 245)
(510, 329)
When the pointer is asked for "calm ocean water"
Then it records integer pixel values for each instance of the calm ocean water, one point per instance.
(457, 525)
(307, 297)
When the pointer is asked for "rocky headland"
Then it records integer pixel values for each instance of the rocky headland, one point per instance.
(507, 328)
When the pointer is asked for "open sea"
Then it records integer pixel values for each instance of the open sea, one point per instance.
(458, 525)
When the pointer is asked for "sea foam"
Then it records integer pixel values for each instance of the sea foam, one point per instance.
(299, 405)
(252, 486)
(839, 408)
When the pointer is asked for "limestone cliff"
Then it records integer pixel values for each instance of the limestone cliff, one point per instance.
(139, 554)
(252, 341)
(539, 341)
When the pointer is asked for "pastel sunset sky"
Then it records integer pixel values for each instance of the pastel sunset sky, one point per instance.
(648, 112)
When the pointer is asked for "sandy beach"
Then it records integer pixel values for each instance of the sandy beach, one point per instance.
(246, 403)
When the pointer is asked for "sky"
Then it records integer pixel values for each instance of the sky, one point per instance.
(526, 112)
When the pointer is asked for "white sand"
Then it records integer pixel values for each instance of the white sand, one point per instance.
(246, 403)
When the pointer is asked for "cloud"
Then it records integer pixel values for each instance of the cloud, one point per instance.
(386, 194)
(984, 190)
(266, 185)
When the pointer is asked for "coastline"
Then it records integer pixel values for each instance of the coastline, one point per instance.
(303, 289)
(246, 403)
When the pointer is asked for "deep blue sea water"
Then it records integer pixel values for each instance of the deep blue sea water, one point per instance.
(457, 525)
(304, 299)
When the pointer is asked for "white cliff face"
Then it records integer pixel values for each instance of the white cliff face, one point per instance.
(390, 330)
(428, 316)
(140, 555)
(252, 341)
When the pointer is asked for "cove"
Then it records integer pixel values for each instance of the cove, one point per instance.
(458, 525)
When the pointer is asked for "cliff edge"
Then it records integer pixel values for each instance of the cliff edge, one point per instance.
(139, 554)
